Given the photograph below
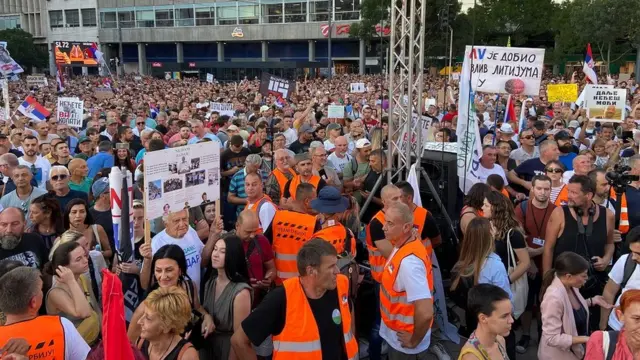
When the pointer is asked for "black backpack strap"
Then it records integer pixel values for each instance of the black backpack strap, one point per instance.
(629, 268)
(613, 341)
(523, 207)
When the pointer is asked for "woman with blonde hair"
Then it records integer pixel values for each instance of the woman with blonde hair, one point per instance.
(167, 312)
(377, 138)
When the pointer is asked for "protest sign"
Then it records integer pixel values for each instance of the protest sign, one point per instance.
(137, 78)
(209, 78)
(70, 111)
(181, 178)
(335, 112)
(516, 71)
(580, 101)
(623, 77)
(358, 88)
(605, 104)
(562, 92)
(37, 81)
(418, 123)
(455, 76)
(103, 93)
(273, 85)
(222, 108)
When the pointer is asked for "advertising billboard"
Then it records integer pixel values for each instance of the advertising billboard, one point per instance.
(73, 53)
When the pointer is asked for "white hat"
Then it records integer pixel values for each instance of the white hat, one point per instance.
(362, 143)
(506, 129)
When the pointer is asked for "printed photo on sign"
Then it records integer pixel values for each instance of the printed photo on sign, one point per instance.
(358, 88)
(605, 104)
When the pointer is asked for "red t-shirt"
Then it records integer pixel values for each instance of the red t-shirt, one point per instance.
(535, 226)
(371, 123)
(260, 253)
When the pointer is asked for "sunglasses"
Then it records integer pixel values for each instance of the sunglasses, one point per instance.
(528, 137)
(554, 170)
(58, 177)
(140, 123)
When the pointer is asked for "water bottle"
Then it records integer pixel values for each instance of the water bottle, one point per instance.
(98, 247)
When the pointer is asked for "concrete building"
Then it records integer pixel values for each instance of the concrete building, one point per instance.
(232, 39)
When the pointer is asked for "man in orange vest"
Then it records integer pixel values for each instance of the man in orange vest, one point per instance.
(290, 229)
(279, 176)
(331, 205)
(258, 202)
(305, 175)
(49, 337)
(316, 302)
(406, 304)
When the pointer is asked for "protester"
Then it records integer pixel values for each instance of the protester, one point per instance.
(78, 218)
(24, 193)
(60, 184)
(46, 219)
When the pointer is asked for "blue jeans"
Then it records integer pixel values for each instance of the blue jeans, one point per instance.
(375, 341)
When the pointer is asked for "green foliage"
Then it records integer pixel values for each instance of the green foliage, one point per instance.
(23, 50)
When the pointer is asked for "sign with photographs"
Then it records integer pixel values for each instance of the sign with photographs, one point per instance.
(74, 53)
(605, 104)
(273, 85)
(70, 111)
(358, 88)
(223, 108)
(37, 81)
(180, 178)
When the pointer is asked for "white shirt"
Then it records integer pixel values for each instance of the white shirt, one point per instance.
(74, 345)
(107, 135)
(412, 278)
(566, 176)
(43, 168)
(617, 275)
(190, 244)
(483, 173)
(266, 214)
(291, 135)
(338, 163)
(138, 133)
(328, 145)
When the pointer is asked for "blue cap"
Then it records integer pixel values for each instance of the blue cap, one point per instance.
(100, 186)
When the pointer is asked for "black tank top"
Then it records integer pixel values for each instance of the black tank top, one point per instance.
(572, 240)
(173, 355)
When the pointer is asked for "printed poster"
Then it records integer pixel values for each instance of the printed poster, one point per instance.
(421, 123)
(273, 85)
(605, 104)
(180, 178)
(358, 88)
(37, 81)
(210, 78)
(222, 108)
(70, 111)
(511, 70)
(335, 112)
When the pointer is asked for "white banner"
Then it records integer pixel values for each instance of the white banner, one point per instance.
(605, 104)
(182, 177)
(580, 101)
(516, 71)
(358, 88)
(422, 124)
(70, 111)
(37, 81)
(222, 108)
(209, 78)
(335, 112)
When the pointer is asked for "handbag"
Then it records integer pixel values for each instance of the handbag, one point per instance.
(520, 287)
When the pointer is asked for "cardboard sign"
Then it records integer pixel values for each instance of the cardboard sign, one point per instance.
(222, 108)
(210, 78)
(137, 78)
(37, 81)
(273, 85)
(70, 111)
(358, 88)
(605, 104)
(580, 101)
(335, 112)
(103, 93)
(511, 70)
(562, 92)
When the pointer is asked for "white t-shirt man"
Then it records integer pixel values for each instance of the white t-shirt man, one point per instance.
(617, 275)
(192, 246)
(291, 135)
(412, 278)
(483, 173)
(338, 163)
(43, 168)
(265, 214)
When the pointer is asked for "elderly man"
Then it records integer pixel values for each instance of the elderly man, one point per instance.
(110, 131)
(304, 169)
(201, 132)
(257, 201)
(70, 140)
(8, 163)
(43, 132)
(85, 145)
(319, 165)
(23, 194)
(356, 170)
(79, 179)
(339, 158)
(60, 184)
(356, 132)
(237, 195)
(15, 244)
(279, 176)
(581, 166)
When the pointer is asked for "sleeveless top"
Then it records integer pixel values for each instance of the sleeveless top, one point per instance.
(173, 355)
(585, 246)
(479, 352)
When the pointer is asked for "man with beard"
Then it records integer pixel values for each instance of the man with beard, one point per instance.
(15, 244)
(39, 166)
(305, 136)
(567, 150)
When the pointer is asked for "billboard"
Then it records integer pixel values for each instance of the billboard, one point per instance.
(73, 53)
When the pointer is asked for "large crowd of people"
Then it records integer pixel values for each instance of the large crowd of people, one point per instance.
(296, 263)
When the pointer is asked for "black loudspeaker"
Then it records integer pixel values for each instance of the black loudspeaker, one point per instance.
(442, 170)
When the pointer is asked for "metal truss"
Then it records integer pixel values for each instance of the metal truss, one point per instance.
(406, 72)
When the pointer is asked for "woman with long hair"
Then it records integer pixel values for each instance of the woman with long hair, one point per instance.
(227, 296)
(122, 158)
(71, 295)
(169, 267)
(627, 345)
(564, 312)
(77, 217)
(473, 205)
(46, 219)
(166, 314)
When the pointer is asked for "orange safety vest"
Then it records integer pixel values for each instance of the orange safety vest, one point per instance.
(300, 338)
(290, 231)
(563, 196)
(624, 212)
(396, 312)
(505, 192)
(336, 234)
(256, 206)
(376, 260)
(44, 334)
(282, 179)
(296, 180)
(419, 214)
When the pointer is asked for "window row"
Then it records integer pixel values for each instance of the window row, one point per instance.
(229, 13)
(9, 22)
(73, 18)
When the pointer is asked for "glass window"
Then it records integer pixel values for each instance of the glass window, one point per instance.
(271, 11)
(319, 10)
(227, 13)
(248, 13)
(347, 10)
(89, 17)
(126, 18)
(145, 18)
(164, 17)
(72, 17)
(295, 12)
(55, 19)
(205, 16)
(9, 22)
(107, 19)
(184, 16)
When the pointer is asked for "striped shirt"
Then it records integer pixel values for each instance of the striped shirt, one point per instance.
(236, 186)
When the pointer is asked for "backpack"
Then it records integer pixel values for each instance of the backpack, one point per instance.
(460, 293)
(609, 338)
(523, 207)
(349, 267)
(629, 268)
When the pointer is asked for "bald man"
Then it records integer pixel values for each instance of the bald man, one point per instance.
(581, 166)
(79, 181)
(340, 157)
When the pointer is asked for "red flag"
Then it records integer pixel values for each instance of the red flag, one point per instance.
(114, 330)
(510, 114)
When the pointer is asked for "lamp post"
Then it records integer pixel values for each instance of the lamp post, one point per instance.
(329, 44)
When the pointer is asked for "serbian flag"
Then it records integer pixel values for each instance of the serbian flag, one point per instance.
(588, 66)
(153, 110)
(510, 114)
(280, 103)
(92, 52)
(60, 79)
(33, 110)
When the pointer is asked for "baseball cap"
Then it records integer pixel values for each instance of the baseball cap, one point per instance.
(574, 124)
(506, 129)
(306, 129)
(562, 135)
(233, 128)
(333, 126)
(83, 139)
(362, 143)
(100, 186)
(111, 121)
(264, 108)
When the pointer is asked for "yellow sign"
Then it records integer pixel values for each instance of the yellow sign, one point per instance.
(562, 92)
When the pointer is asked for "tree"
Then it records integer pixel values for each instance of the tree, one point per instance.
(23, 50)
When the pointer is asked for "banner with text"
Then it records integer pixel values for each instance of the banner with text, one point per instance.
(335, 112)
(273, 85)
(37, 81)
(516, 71)
(181, 178)
(222, 108)
(605, 104)
(70, 111)
(210, 78)
(562, 92)
(358, 88)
